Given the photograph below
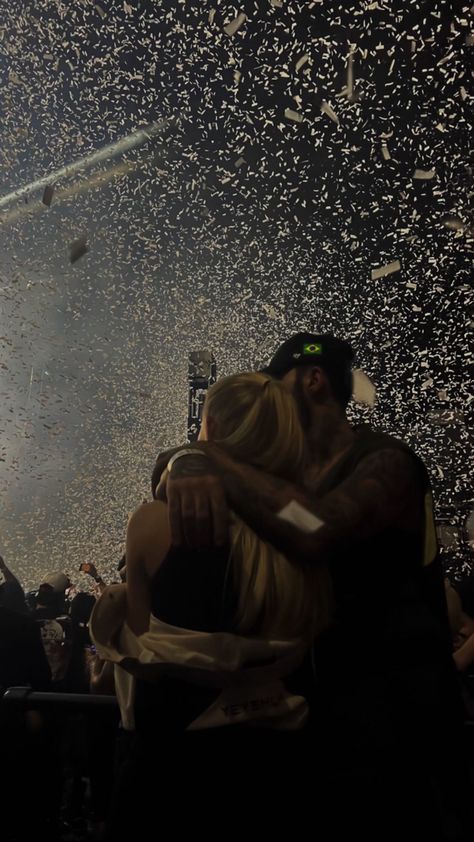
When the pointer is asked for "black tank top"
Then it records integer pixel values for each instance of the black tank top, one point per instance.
(192, 590)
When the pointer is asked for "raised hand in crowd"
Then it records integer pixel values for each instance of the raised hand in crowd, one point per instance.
(91, 570)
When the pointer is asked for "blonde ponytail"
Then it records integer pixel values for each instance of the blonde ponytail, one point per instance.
(256, 421)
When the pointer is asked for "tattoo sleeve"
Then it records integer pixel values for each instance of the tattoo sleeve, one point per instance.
(257, 497)
(372, 497)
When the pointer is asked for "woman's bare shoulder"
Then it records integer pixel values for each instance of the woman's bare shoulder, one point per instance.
(150, 520)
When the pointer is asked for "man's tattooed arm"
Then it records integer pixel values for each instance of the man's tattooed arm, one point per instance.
(373, 496)
(217, 482)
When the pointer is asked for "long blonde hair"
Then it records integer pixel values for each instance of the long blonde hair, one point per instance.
(256, 421)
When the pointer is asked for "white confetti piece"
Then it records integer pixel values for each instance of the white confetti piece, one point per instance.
(424, 175)
(301, 62)
(14, 77)
(78, 249)
(233, 27)
(48, 195)
(363, 390)
(327, 109)
(388, 269)
(300, 517)
(454, 223)
(446, 59)
(348, 90)
(293, 115)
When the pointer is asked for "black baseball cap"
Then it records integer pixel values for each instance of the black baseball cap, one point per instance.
(310, 349)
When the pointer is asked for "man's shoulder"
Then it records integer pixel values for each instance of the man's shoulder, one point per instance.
(377, 446)
(368, 439)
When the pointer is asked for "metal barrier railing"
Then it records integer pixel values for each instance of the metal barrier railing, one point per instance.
(25, 697)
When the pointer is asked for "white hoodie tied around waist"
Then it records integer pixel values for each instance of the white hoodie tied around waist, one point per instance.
(248, 671)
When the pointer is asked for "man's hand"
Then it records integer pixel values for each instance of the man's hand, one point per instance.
(197, 506)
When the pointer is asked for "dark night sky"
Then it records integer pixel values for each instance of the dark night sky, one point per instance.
(261, 211)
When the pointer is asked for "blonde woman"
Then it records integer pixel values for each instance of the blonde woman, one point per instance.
(246, 587)
(254, 419)
(232, 623)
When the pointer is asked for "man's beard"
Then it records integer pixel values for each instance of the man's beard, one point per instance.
(304, 410)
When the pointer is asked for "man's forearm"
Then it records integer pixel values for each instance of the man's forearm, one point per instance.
(351, 511)
(258, 497)
(383, 486)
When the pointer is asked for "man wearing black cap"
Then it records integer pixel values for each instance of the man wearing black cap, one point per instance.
(385, 693)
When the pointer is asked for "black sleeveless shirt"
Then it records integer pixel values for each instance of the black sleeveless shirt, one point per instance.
(192, 590)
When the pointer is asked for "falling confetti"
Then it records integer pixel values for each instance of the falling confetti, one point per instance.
(388, 269)
(326, 109)
(290, 114)
(48, 195)
(78, 249)
(234, 26)
(424, 175)
(301, 62)
(363, 390)
(242, 171)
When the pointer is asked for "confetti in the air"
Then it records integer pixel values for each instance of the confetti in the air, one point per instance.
(78, 249)
(327, 109)
(234, 26)
(388, 269)
(424, 175)
(363, 390)
(301, 62)
(454, 223)
(290, 114)
(48, 195)
(243, 172)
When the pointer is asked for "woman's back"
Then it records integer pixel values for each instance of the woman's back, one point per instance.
(190, 590)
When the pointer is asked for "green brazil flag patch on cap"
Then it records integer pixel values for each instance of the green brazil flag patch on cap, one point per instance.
(312, 348)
